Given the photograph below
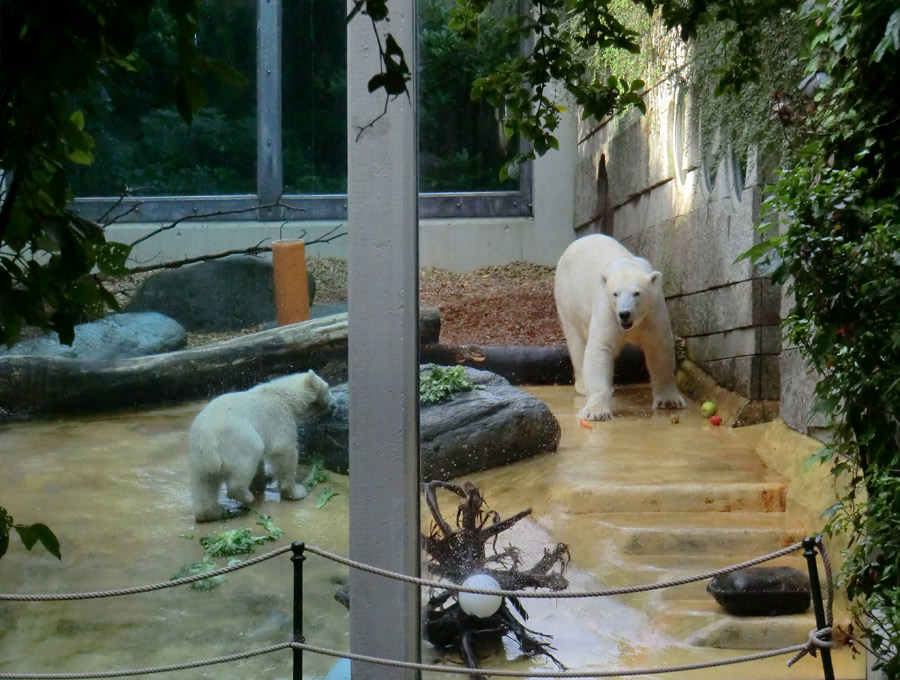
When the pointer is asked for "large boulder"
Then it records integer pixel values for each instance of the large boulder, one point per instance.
(475, 430)
(762, 591)
(117, 336)
(220, 295)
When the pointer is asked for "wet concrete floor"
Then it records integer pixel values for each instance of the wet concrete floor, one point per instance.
(114, 490)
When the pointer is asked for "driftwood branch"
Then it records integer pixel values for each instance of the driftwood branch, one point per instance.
(258, 249)
(211, 215)
(458, 553)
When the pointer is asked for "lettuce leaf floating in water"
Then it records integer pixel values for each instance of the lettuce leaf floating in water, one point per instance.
(234, 542)
(325, 496)
(239, 541)
(194, 568)
(265, 521)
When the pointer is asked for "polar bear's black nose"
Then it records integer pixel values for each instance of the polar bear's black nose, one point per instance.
(625, 315)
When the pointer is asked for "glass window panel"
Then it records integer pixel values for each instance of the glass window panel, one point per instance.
(143, 145)
(137, 526)
(462, 145)
(314, 91)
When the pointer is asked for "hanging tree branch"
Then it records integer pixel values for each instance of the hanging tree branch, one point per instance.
(258, 249)
(207, 216)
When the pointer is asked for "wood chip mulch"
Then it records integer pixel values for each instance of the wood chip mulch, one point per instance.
(499, 305)
(508, 305)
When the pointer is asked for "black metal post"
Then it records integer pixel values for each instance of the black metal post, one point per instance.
(809, 544)
(298, 558)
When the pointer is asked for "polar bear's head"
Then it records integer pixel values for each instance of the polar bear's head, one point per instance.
(632, 290)
(306, 393)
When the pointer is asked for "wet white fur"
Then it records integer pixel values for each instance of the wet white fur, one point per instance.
(596, 279)
(236, 432)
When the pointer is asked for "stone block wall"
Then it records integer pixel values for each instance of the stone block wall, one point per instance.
(642, 180)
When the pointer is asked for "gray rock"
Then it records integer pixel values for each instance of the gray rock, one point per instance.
(220, 295)
(117, 336)
(474, 431)
(762, 591)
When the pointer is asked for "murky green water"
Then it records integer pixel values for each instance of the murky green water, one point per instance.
(114, 489)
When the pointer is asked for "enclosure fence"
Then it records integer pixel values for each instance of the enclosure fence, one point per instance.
(818, 642)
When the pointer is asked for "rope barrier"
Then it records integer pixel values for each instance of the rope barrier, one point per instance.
(456, 670)
(615, 673)
(819, 638)
(144, 589)
(556, 594)
(409, 579)
(146, 671)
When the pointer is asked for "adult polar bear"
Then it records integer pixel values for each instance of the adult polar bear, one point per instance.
(607, 297)
(236, 432)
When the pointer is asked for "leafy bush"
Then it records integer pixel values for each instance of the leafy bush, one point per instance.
(30, 535)
(834, 240)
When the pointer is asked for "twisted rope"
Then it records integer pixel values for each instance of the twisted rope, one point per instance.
(145, 671)
(614, 673)
(556, 594)
(143, 589)
(818, 638)
(401, 577)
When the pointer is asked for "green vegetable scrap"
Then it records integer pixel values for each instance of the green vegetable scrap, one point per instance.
(315, 474)
(265, 521)
(202, 567)
(325, 496)
(234, 542)
(441, 383)
(239, 541)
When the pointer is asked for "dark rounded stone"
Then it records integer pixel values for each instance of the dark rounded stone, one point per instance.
(220, 295)
(474, 431)
(762, 591)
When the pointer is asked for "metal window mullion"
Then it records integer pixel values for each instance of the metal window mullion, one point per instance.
(269, 169)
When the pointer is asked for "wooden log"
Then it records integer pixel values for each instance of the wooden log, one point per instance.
(31, 385)
(42, 385)
(531, 365)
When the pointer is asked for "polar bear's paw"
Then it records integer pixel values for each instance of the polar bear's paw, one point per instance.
(294, 493)
(669, 400)
(596, 412)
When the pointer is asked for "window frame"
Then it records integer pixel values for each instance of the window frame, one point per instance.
(268, 203)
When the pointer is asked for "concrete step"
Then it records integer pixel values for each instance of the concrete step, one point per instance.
(703, 623)
(649, 569)
(588, 498)
(695, 533)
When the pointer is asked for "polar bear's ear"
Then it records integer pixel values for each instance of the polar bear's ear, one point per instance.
(654, 277)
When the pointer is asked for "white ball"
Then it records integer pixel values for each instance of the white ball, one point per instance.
(477, 604)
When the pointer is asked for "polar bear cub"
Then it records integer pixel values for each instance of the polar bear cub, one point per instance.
(607, 297)
(236, 433)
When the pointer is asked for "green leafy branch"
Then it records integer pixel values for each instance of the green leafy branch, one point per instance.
(51, 260)
(394, 73)
(30, 535)
(833, 240)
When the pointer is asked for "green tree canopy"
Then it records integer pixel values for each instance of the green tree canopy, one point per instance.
(52, 53)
